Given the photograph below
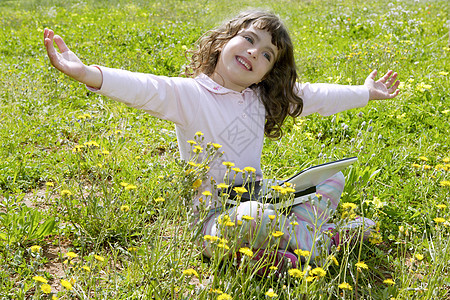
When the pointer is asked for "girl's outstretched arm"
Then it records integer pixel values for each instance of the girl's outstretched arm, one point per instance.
(384, 88)
(67, 62)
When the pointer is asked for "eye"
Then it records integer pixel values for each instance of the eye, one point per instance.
(249, 39)
(267, 56)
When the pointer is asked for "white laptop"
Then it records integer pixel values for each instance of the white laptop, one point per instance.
(304, 183)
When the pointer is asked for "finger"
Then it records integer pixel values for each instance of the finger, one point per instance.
(385, 77)
(51, 51)
(394, 94)
(391, 80)
(394, 87)
(373, 75)
(60, 43)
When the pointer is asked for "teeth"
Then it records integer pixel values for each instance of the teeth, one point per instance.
(244, 63)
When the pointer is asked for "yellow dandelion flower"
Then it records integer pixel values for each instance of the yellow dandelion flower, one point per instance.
(309, 278)
(210, 238)
(199, 133)
(439, 220)
(301, 252)
(105, 152)
(446, 160)
(228, 164)
(160, 199)
(66, 284)
(287, 184)
(246, 251)
(207, 193)
(319, 272)
(271, 294)
(272, 217)
(197, 184)
(35, 248)
(222, 245)
(77, 148)
(46, 288)
(239, 222)
(277, 188)
(92, 144)
(197, 149)
(389, 281)
(99, 258)
(229, 224)
(237, 170)
(192, 142)
(345, 286)
(216, 291)
(423, 158)
(86, 268)
(273, 268)
(418, 256)
(296, 273)
(247, 218)
(443, 73)
(417, 166)
(71, 254)
(40, 279)
(335, 261)
(190, 272)
(289, 190)
(223, 219)
(445, 183)
(54, 297)
(193, 164)
(294, 223)
(224, 296)
(66, 193)
(427, 167)
(124, 184)
(49, 183)
(216, 146)
(223, 241)
(441, 206)
(222, 186)
(240, 190)
(249, 169)
(125, 208)
(375, 238)
(132, 249)
(361, 265)
(348, 206)
(277, 234)
(130, 187)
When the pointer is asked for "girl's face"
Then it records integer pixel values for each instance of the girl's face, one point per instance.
(245, 59)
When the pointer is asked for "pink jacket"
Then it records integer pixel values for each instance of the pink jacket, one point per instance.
(234, 120)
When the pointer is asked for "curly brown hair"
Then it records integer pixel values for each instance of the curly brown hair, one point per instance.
(277, 90)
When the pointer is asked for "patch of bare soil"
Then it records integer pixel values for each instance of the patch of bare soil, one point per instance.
(53, 250)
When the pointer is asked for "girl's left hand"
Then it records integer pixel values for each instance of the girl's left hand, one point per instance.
(384, 88)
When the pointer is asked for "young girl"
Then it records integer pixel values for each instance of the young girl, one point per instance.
(243, 86)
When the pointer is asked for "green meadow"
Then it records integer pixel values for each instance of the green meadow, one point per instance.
(93, 195)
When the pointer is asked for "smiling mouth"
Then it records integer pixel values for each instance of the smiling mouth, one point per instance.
(244, 63)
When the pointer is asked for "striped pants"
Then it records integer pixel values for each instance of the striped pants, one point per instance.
(303, 227)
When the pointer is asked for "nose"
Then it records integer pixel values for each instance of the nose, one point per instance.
(253, 52)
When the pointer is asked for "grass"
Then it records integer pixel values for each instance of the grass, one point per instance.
(81, 173)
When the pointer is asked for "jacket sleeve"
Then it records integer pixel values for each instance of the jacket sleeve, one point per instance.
(328, 99)
(170, 98)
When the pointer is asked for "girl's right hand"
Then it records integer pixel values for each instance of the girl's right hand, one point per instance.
(67, 62)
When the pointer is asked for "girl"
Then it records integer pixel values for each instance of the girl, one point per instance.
(243, 86)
